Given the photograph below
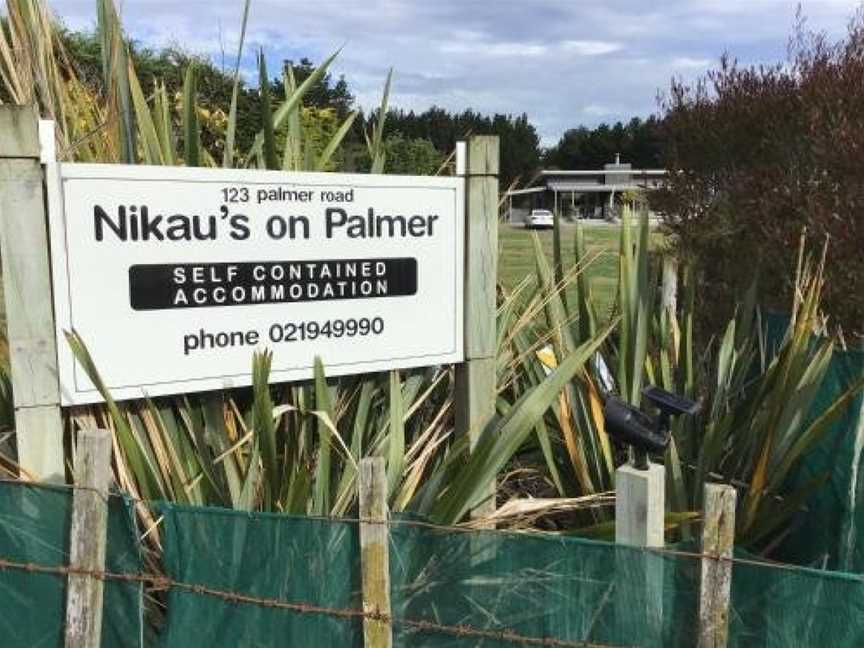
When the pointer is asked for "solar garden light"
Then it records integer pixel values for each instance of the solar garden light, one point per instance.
(640, 431)
(640, 486)
(640, 493)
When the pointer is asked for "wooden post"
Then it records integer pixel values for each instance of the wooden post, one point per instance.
(27, 293)
(88, 538)
(718, 537)
(476, 387)
(375, 553)
(670, 286)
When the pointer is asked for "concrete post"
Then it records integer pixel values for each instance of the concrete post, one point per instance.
(639, 522)
(640, 505)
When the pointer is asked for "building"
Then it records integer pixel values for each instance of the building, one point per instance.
(590, 194)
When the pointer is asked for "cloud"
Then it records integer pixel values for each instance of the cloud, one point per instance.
(599, 110)
(496, 50)
(562, 63)
(590, 47)
(689, 63)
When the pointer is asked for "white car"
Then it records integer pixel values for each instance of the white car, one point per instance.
(539, 218)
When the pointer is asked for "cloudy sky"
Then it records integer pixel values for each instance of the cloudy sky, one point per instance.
(564, 62)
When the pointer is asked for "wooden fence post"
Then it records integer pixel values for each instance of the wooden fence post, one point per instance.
(27, 294)
(718, 537)
(476, 383)
(375, 553)
(88, 538)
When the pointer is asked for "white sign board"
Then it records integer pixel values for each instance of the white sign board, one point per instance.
(174, 276)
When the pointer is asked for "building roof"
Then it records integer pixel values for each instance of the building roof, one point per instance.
(522, 192)
(600, 172)
(582, 187)
(615, 177)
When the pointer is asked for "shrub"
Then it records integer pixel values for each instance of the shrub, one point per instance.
(756, 155)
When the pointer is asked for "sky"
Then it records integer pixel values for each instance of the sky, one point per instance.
(563, 62)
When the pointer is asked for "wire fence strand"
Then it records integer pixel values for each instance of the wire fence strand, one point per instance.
(162, 582)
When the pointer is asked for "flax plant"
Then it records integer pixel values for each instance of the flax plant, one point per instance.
(292, 448)
(295, 448)
(753, 429)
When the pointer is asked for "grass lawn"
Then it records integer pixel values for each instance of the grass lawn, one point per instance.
(516, 255)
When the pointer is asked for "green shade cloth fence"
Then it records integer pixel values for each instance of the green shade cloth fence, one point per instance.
(293, 559)
(779, 607)
(465, 583)
(830, 533)
(539, 586)
(34, 528)
(535, 585)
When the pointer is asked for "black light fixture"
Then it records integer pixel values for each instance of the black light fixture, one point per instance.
(642, 432)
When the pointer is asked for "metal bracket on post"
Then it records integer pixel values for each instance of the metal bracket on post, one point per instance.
(27, 293)
(476, 387)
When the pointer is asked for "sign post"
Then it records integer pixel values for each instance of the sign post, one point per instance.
(476, 383)
(27, 294)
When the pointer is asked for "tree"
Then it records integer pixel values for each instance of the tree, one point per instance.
(759, 155)
(324, 93)
(520, 144)
(411, 156)
(637, 142)
(214, 85)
